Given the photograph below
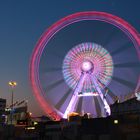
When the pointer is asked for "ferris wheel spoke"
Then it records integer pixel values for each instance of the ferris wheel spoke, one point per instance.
(129, 96)
(56, 55)
(79, 105)
(94, 113)
(127, 65)
(122, 49)
(52, 69)
(111, 94)
(109, 38)
(104, 107)
(63, 99)
(124, 82)
(54, 85)
(97, 106)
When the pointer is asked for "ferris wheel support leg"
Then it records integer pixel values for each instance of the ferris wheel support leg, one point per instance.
(106, 105)
(75, 97)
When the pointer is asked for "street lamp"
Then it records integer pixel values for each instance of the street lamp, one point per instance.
(12, 84)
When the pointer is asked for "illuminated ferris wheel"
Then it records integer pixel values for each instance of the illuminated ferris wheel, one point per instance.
(83, 62)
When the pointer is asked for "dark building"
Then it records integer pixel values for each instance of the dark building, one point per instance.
(131, 106)
(2, 110)
(19, 115)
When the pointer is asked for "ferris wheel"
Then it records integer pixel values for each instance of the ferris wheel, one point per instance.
(83, 63)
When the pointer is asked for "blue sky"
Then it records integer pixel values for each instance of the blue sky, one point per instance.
(23, 21)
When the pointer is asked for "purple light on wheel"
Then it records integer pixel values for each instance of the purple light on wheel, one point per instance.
(88, 57)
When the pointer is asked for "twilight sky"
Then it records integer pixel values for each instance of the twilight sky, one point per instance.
(23, 21)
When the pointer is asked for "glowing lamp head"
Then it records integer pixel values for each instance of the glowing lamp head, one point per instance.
(12, 83)
(116, 121)
(87, 66)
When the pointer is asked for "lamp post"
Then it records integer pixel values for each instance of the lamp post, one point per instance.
(12, 84)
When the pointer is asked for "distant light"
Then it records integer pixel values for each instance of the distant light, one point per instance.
(35, 123)
(116, 121)
(26, 101)
(3, 115)
(30, 113)
(7, 109)
(30, 128)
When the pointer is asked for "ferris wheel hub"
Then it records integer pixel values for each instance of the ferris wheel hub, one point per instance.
(87, 66)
